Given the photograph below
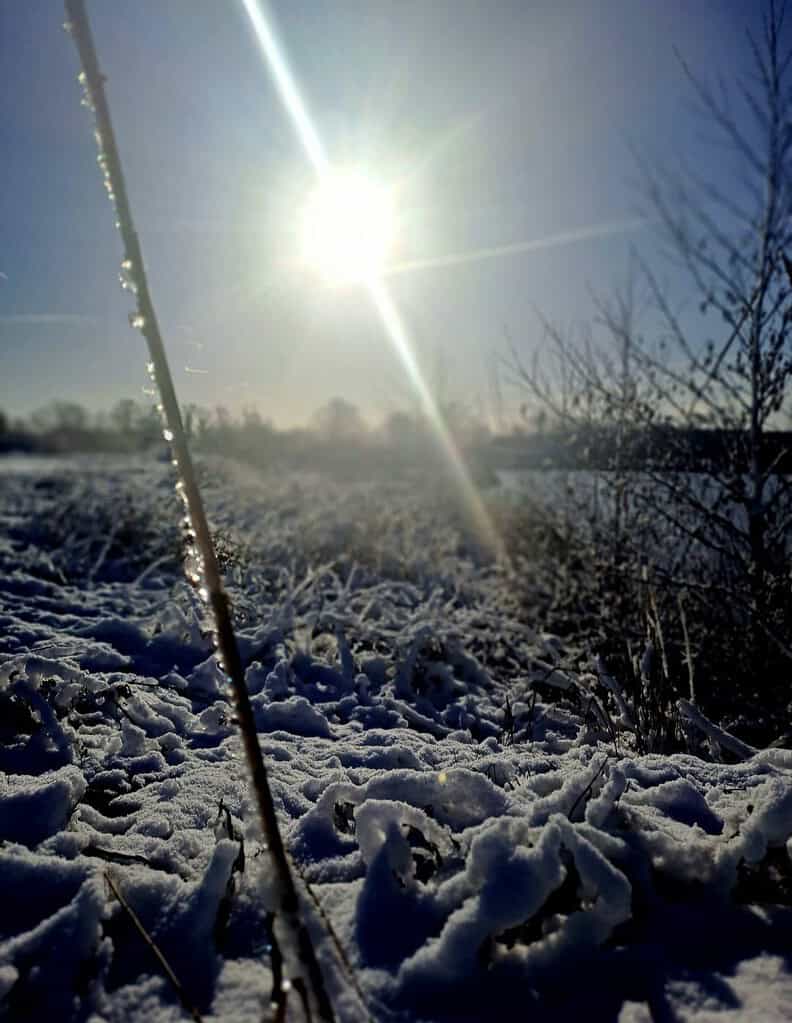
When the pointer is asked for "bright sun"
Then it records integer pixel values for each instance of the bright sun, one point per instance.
(347, 228)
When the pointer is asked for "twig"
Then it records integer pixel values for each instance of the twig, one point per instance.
(124, 859)
(615, 689)
(279, 992)
(724, 739)
(145, 319)
(166, 967)
(587, 790)
(100, 560)
(340, 950)
(150, 568)
(688, 648)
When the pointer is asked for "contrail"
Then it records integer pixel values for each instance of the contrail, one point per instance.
(581, 234)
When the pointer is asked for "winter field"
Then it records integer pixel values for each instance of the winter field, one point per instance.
(476, 837)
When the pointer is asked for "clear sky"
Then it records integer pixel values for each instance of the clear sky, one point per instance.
(498, 122)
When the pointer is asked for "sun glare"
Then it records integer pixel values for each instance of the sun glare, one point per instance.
(347, 228)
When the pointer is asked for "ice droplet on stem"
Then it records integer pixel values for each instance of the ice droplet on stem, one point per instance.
(127, 283)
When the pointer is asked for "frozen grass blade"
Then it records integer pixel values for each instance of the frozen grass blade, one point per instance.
(301, 963)
(156, 950)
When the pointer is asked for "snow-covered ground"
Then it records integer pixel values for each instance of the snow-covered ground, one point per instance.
(479, 853)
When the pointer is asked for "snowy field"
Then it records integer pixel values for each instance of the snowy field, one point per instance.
(480, 846)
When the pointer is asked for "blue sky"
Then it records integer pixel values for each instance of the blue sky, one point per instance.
(498, 123)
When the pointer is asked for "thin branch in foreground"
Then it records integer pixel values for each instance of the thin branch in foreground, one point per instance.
(340, 950)
(689, 660)
(693, 716)
(158, 953)
(302, 958)
(590, 786)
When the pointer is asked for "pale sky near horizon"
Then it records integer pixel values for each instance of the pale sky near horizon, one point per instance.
(500, 124)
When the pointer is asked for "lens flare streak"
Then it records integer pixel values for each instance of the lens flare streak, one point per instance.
(552, 241)
(287, 87)
(395, 329)
(383, 301)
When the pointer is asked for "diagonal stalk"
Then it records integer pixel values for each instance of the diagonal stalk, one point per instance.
(145, 319)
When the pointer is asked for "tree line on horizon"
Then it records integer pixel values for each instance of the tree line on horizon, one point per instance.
(132, 427)
(538, 442)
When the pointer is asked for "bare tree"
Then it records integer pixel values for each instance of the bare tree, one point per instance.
(733, 245)
(339, 421)
(705, 393)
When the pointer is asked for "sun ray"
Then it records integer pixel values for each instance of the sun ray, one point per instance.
(347, 228)
(397, 333)
(287, 87)
(382, 299)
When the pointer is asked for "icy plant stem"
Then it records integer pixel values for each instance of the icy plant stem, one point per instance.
(156, 950)
(693, 716)
(145, 319)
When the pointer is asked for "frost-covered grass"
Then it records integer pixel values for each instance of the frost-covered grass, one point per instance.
(459, 788)
(625, 560)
